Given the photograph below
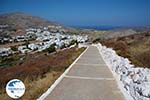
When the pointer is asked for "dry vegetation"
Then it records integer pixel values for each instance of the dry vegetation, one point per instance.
(135, 47)
(38, 72)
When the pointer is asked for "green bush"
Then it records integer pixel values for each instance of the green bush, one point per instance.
(73, 42)
(51, 49)
(14, 48)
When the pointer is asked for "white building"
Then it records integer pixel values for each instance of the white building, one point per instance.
(5, 52)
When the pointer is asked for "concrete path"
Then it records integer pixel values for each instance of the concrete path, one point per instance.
(88, 79)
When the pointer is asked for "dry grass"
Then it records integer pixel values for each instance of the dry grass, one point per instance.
(38, 87)
(35, 88)
(38, 72)
(136, 48)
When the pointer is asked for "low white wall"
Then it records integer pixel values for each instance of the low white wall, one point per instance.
(134, 81)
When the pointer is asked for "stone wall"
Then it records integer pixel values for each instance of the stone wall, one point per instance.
(135, 80)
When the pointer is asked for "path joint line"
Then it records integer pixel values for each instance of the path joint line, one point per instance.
(88, 78)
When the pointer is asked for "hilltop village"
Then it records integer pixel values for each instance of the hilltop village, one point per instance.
(40, 39)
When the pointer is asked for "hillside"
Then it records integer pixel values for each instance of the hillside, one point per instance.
(38, 71)
(134, 47)
(23, 20)
(17, 22)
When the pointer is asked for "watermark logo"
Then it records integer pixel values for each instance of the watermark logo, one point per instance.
(15, 88)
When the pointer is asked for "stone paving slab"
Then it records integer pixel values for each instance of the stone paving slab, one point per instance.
(88, 79)
(90, 71)
(89, 61)
(79, 89)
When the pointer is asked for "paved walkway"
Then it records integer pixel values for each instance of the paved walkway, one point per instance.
(88, 79)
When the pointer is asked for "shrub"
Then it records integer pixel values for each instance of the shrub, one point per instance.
(73, 42)
(14, 48)
(51, 49)
(97, 40)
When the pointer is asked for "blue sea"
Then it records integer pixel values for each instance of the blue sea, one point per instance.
(98, 27)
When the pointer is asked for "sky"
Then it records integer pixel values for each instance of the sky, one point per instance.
(84, 12)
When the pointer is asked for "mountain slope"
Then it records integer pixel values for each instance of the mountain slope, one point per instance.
(22, 20)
